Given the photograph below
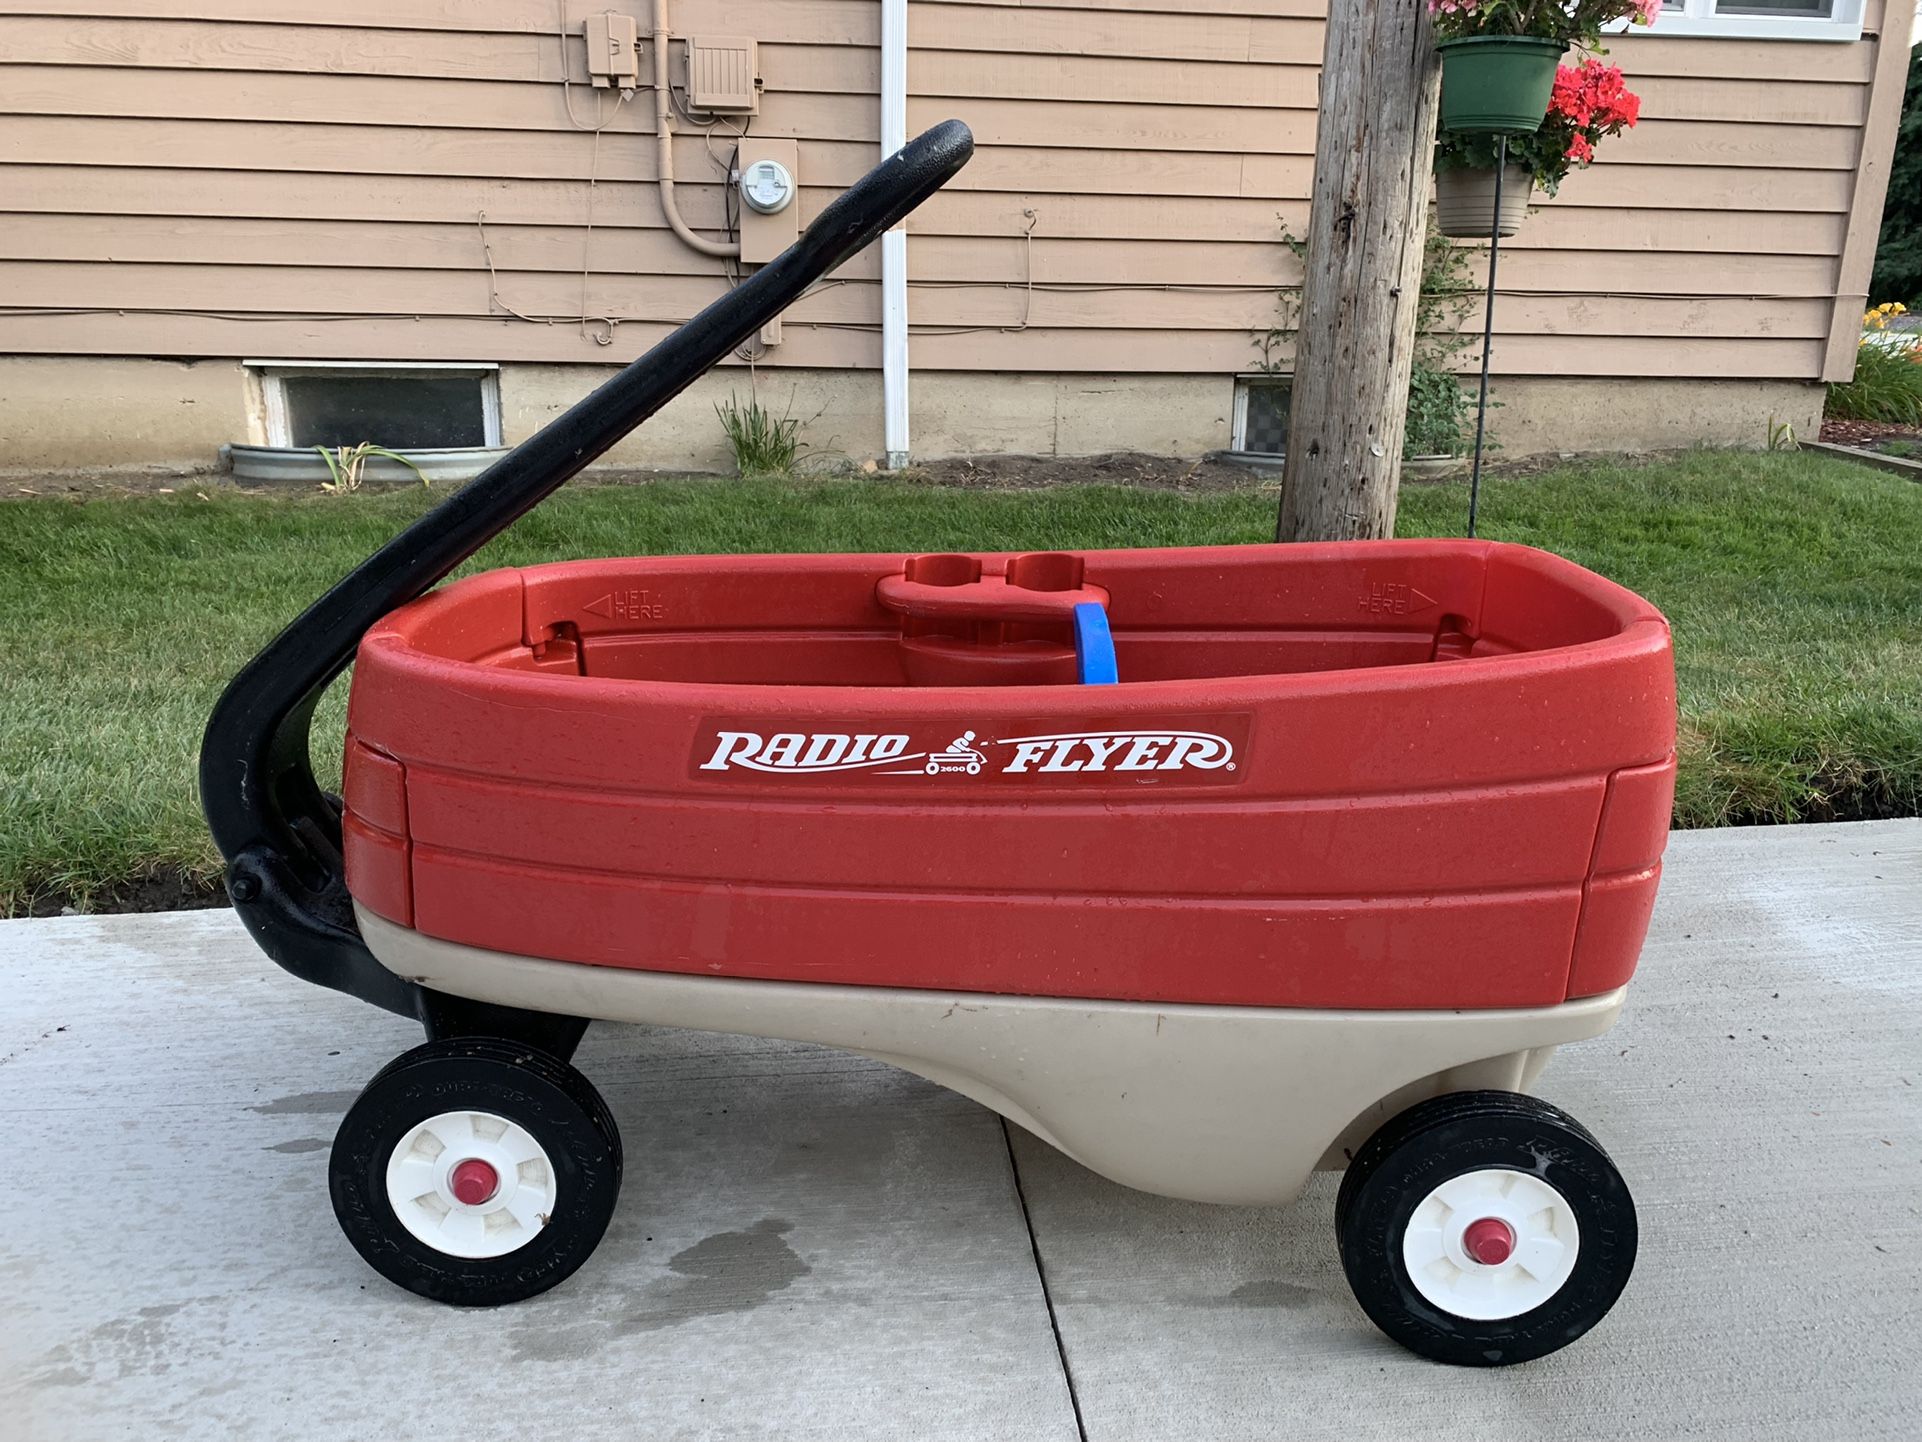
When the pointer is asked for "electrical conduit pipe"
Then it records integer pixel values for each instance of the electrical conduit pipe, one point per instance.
(664, 145)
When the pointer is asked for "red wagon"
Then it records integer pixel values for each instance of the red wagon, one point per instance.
(1209, 866)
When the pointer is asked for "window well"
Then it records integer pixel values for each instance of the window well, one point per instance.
(401, 407)
(1261, 415)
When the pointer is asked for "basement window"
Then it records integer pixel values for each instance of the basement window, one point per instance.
(1756, 20)
(1261, 415)
(404, 407)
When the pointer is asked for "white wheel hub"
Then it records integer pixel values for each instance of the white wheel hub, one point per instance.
(1491, 1244)
(471, 1184)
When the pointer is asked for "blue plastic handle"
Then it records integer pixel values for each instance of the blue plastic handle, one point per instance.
(1094, 646)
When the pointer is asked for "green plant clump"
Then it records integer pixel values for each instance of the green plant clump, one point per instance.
(346, 463)
(763, 443)
(1440, 413)
(1887, 385)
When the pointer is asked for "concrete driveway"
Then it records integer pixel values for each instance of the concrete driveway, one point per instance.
(811, 1245)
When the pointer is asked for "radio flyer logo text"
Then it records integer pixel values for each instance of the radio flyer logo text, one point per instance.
(1133, 750)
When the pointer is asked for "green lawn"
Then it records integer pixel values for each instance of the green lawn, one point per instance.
(1794, 583)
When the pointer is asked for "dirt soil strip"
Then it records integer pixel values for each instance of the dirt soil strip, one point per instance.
(167, 889)
(1210, 473)
(1867, 433)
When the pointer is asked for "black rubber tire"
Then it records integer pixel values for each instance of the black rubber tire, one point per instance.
(527, 1086)
(1423, 1147)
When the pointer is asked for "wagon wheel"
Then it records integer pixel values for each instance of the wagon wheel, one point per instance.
(476, 1172)
(1485, 1228)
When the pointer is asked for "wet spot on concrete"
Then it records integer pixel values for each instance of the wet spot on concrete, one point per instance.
(134, 1345)
(727, 1272)
(303, 1104)
(299, 1145)
(759, 1257)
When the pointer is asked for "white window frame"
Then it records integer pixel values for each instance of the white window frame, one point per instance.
(1701, 17)
(1238, 427)
(273, 375)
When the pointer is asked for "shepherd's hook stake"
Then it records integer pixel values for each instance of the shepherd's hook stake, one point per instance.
(1488, 334)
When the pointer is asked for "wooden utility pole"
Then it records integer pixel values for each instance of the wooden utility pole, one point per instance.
(1373, 156)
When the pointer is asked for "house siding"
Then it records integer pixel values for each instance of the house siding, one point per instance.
(229, 178)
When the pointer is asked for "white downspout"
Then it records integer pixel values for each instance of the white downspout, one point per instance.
(894, 243)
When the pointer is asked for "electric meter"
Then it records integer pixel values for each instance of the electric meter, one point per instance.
(767, 187)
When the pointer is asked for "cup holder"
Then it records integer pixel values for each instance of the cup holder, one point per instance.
(961, 626)
(1046, 571)
(943, 570)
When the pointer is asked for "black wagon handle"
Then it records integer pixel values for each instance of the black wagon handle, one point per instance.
(279, 834)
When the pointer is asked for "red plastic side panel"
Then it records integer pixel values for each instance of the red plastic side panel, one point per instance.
(1426, 844)
(1635, 818)
(374, 838)
(1614, 924)
(375, 786)
(1623, 879)
(1484, 949)
(377, 869)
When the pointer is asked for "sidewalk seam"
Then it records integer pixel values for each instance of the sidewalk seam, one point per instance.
(1041, 1275)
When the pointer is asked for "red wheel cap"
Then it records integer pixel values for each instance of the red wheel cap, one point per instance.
(1490, 1241)
(475, 1181)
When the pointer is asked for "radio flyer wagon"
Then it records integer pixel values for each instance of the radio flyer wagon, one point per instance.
(1208, 866)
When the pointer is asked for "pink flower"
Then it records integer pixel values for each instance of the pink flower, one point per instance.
(1591, 96)
(1579, 150)
(1646, 11)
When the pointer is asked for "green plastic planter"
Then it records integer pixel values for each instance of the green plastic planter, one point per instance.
(1497, 82)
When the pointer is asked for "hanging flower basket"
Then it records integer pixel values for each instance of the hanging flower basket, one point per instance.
(1465, 201)
(1497, 83)
(1498, 57)
(1589, 104)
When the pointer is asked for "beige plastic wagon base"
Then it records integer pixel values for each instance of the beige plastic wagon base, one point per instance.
(1206, 1103)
